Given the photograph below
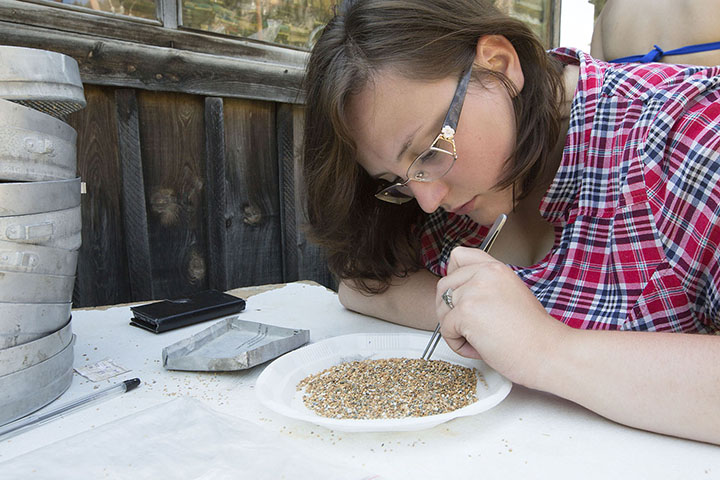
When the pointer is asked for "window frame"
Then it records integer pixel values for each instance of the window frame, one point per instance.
(123, 51)
(162, 54)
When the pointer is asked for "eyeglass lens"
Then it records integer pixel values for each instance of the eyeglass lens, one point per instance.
(429, 166)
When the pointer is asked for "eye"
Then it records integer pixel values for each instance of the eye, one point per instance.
(384, 182)
(428, 156)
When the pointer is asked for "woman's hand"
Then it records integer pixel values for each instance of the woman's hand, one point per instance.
(495, 316)
(634, 378)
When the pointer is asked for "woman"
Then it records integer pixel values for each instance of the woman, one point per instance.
(453, 113)
(676, 31)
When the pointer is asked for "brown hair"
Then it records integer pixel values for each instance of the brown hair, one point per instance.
(364, 238)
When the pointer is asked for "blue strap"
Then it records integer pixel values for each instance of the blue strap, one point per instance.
(656, 53)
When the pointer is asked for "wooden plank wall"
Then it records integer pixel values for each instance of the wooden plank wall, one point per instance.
(185, 193)
(189, 149)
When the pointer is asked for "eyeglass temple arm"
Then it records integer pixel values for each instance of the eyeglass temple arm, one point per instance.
(453, 114)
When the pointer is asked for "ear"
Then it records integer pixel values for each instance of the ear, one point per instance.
(495, 52)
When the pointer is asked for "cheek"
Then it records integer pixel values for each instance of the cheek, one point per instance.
(482, 159)
(485, 146)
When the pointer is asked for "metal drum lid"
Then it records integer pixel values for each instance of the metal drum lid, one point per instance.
(32, 388)
(35, 146)
(22, 257)
(18, 287)
(46, 81)
(27, 198)
(24, 322)
(61, 229)
(28, 354)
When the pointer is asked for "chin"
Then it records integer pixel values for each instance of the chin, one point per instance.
(486, 217)
(483, 218)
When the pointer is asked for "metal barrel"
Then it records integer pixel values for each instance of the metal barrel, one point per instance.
(18, 287)
(26, 198)
(28, 354)
(35, 146)
(40, 226)
(61, 229)
(24, 322)
(47, 81)
(26, 258)
(32, 388)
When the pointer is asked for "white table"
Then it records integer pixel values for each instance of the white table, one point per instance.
(528, 435)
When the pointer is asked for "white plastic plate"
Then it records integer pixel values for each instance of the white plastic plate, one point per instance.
(276, 385)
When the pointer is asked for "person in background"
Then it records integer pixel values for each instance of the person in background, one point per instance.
(427, 119)
(676, 31)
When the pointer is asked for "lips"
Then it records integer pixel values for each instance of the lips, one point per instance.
(465, 208)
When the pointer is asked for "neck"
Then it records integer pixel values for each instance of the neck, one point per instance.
(527, 237)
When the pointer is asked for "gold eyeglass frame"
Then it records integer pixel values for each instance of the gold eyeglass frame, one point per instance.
(388, 193)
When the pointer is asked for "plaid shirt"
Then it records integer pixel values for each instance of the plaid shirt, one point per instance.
(635, 203)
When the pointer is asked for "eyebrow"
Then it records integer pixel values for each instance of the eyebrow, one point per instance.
(406, 145)
(408, 141)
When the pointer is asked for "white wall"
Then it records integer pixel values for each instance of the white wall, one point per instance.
(576, 24)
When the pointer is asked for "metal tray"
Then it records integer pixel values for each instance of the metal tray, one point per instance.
(28, 354)
(18, 287)
(47, 81)
(24, 322)
(32, 388)
(27, 198)
(35, 146)
(23, 257)
(59, 229)
(232, 344)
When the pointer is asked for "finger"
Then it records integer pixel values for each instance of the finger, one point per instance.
(479, 272)
(455, 340)
(444, 299)
(462, 256)
(446, 290)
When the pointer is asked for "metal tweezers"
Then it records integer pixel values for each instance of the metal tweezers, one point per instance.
(485, 247)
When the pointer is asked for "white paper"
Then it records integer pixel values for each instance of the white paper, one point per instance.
(180, 439)
(101, 370)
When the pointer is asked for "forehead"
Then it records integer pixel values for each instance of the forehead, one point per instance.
(392, 109)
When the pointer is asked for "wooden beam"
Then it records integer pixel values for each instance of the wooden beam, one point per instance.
(305, 260)
(252, 196)
(215, 191)
(288, 212)
(172, 130)
(144, 32)
(133, 189)
(102, 273)
(127, 63)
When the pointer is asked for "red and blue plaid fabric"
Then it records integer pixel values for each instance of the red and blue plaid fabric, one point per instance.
(635, 203)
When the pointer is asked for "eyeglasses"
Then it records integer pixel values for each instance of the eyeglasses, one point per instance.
(435, 162)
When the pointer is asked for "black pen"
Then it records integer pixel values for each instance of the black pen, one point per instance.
(26, 423)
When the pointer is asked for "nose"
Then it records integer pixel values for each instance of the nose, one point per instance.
(429, 195)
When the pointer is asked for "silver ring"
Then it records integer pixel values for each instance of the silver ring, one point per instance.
(447, 298)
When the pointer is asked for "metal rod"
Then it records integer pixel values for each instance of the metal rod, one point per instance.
(31, 421)
(434, 334)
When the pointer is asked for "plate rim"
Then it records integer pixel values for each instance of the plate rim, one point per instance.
(262, 387)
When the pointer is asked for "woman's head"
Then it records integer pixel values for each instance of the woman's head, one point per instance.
(422, 41)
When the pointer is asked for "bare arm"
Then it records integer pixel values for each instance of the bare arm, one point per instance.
(596, 43)
(409, 301)
(663, 382)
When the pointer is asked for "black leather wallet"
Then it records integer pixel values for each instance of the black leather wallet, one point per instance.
(167, 315)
